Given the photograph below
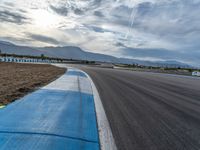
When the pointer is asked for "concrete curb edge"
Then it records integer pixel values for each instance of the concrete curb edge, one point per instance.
(107, 141)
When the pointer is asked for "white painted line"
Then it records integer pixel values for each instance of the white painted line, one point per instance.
(2, 106)
(107, 141)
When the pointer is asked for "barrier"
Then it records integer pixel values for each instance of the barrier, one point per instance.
(25, 60)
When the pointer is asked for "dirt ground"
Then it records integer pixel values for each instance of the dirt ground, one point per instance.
(16, 80)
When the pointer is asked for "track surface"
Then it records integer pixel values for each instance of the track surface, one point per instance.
(59, 116)
(149, 111)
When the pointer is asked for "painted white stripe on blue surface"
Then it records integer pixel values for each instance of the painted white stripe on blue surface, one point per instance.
(58, 116)
(70, 82)
(107, 141)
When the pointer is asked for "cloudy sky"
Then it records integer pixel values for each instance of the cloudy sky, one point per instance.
(139, 29)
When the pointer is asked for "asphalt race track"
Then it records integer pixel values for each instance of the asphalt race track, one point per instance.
(149, 111)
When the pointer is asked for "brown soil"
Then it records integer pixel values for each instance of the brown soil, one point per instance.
(16, 80)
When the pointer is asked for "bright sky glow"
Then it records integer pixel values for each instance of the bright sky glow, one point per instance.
(44, 19)
(142, 29)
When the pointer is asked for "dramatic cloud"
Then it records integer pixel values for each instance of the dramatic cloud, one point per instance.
(43, 38)
(13, 17)
(143, 29)
(160, 54)
(98, 13)
(61, 10)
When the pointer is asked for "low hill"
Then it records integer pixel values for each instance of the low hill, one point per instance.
(72, 52)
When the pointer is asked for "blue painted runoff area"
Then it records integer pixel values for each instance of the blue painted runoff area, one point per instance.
(76, 73)
(50, 119)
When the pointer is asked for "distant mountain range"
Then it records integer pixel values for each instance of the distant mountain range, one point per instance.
(72, 52)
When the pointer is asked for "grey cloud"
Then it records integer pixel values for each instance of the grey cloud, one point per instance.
(145, 8)
(120, 44)
(60, 10)
(172, 18)
(16, 39)
(164, 54)
(9, 4)
(121, 11)
(147, 52)
(64, 7)
(98, 14)
(177, 17)
(22, 10)
(78, 11)
(43, 38)
(94, 3)
(97, 29)
(121, 15)
(174, 21)
(64, 10)
(13, 17)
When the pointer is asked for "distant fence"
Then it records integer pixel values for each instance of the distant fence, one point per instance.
(26, 60)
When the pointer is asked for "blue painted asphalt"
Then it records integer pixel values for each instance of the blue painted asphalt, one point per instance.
(76, 73)
(50, 119)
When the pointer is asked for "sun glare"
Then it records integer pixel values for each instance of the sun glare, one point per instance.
(44, 19)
